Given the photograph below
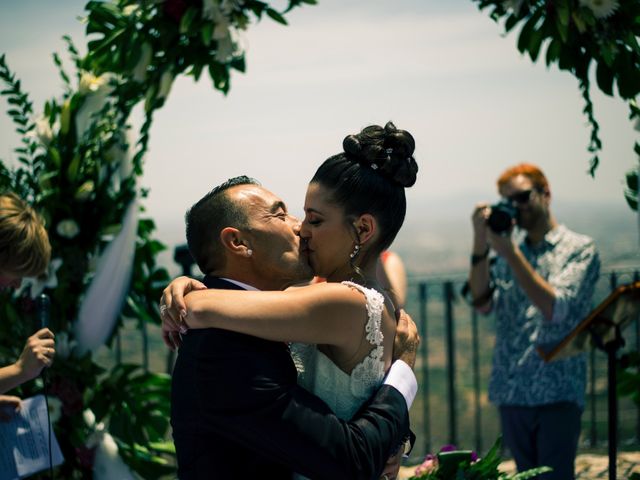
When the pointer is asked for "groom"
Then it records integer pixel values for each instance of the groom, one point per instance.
(236, 410)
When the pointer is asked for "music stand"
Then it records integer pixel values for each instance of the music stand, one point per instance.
(603, 326)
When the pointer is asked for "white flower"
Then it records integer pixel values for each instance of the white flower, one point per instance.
(55, 408)
(96, 91)
(68, 228)
(221, 30)
(64, 346)
(225, 50)
(209, 10)
(515, 5)
(166, 81)
(228, 6)
(85, 191)
(43, 132)
(229, 46)
(110, 447)
(47, 280)
(130, 10)
(601, 8)
(89, 418)
(90, 84)
(108, 464)
(140, 70)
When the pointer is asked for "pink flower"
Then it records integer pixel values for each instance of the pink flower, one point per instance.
(430, 463)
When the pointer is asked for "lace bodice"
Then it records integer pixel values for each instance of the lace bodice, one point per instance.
(343, 392)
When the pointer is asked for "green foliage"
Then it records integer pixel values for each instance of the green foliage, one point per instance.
(577, 38)
(631, 190)
(486, 468)
(140, 423)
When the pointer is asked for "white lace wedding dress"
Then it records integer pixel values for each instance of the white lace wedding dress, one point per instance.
(344, 392)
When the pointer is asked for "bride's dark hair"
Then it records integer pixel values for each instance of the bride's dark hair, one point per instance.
(370, 177)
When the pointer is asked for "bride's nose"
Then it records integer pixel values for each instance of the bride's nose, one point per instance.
(303, 230)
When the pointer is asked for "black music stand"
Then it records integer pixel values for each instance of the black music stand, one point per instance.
(603, 327)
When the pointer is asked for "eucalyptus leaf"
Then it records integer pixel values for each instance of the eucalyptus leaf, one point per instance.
(276, 16)
(604, 77)
(187, 19)
(632, 180)
(632, 199)
(206, 32)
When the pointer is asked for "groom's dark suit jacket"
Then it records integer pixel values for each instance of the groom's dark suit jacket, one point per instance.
(237, 412)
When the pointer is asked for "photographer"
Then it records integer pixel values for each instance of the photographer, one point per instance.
(540, 288)
(24, 251)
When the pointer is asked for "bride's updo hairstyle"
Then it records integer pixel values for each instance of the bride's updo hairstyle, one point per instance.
(370, 177)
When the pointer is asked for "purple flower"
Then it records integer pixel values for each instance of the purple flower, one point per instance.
(448, 448)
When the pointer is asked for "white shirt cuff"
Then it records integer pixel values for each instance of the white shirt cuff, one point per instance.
(402, 378)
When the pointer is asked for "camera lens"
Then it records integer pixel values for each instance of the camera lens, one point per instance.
(501, 218)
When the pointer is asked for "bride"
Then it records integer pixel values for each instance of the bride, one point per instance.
(341, 331)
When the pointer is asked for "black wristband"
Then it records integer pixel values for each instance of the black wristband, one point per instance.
(485, 297)
(476, 259)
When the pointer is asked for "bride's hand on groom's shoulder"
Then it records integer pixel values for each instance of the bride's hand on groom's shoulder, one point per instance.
(405, 344)
(173, 309)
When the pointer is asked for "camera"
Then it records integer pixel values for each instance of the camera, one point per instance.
(501, 218)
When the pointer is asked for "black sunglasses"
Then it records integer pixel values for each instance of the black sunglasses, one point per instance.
(520, 197)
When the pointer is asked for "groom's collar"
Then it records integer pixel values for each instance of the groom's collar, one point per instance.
(225, 283)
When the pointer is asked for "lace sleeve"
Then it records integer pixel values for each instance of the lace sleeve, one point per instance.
(375, 305)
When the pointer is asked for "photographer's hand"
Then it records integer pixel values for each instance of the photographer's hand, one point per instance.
(502, 243)
(479, 218)
(479, 271)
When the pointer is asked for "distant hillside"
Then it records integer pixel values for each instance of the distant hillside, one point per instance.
(436, 237)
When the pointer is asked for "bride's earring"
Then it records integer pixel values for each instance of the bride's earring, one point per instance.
(355, 253)
(249, 252)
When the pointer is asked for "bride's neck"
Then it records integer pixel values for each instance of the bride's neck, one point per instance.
(366, 277)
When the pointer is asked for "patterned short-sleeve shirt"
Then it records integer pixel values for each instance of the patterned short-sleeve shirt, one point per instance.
(569, 262)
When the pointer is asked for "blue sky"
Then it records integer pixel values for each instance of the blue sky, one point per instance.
(440, 69)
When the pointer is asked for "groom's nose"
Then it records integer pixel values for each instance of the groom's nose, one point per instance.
(295, 224)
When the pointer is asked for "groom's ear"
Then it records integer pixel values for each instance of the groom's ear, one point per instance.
(366, 226)
(233, 241)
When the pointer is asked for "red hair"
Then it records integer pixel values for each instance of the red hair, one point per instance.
(530, 171)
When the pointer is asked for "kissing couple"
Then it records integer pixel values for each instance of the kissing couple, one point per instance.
(278, 380)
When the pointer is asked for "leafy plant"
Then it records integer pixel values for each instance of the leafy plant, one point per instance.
(439, 467)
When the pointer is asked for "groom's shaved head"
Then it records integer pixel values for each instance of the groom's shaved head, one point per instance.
(206, 219)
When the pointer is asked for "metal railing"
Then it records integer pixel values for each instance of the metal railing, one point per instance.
(454, 351)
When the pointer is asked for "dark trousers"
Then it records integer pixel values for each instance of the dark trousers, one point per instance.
(543, 435)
